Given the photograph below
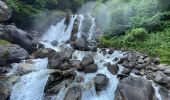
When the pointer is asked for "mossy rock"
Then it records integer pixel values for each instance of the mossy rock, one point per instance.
(4, 42)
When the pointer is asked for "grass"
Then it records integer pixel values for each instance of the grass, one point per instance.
(154, 44)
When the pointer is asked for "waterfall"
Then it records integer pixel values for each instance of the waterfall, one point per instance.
(92, 32)
(31, 86)
(79, 34)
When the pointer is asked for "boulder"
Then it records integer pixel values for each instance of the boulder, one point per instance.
(134, 88)
(20, 37)
(5, 12)
(80, 44)
(100, 82)
(88, 59)
(56, 60)
(74, 93)
(113, 69)
(12, 53)
(59, 76)
(161, 78)
(43, 53)
(92, 68)
(77, 65)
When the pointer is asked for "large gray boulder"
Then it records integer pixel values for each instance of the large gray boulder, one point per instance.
(20, 37)
(134, 88)
(12, 53)
(5, 12)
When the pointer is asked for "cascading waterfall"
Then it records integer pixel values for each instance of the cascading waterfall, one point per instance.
(31, 86)
(92, 32)
(81, 18)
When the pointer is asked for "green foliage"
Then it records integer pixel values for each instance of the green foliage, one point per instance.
(155, 44)
(138, 34)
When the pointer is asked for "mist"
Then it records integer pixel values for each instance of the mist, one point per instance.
(116, 15)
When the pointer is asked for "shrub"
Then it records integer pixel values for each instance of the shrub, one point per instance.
(138, 34)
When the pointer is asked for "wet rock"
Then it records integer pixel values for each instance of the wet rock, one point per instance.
(12, 53)
(161, 78)
(92, 68)
(78, 65)
(43, 53)
(113, 69)
(21, 38)
(57, 60)
(134, 88)
(54, 43)
(101, 82)
(136, 72)
(87, 60)
(5, 90)
(59, 76)
(126, 71)
(80, 44)
(165, 95)
(74, 93)
(5, 12)
(150, 76)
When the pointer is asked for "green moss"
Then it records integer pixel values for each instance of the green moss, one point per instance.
(5, 54)
(3, 42)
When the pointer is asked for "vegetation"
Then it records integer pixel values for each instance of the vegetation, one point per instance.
(25, 11)
(3, 42)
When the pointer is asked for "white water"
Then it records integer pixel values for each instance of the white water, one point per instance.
(31, 86)
(79, 34)
(92, 32)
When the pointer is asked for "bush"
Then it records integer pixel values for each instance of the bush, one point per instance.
(138, 34)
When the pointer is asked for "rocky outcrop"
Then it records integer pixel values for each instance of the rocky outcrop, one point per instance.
(134, 88)
(20, 37)
(165, 95)
(100, 82)
(80, 44)
(5, 12)
(12, 53)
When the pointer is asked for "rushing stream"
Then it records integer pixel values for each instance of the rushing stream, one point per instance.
(31, 86)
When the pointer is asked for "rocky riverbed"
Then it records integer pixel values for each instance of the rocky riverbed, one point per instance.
(71, 67)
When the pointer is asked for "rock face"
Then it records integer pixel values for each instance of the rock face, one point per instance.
(5, 12)
(134, 88)
(20, 37)
(12, 54)
(100, 82)
(74, 93)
